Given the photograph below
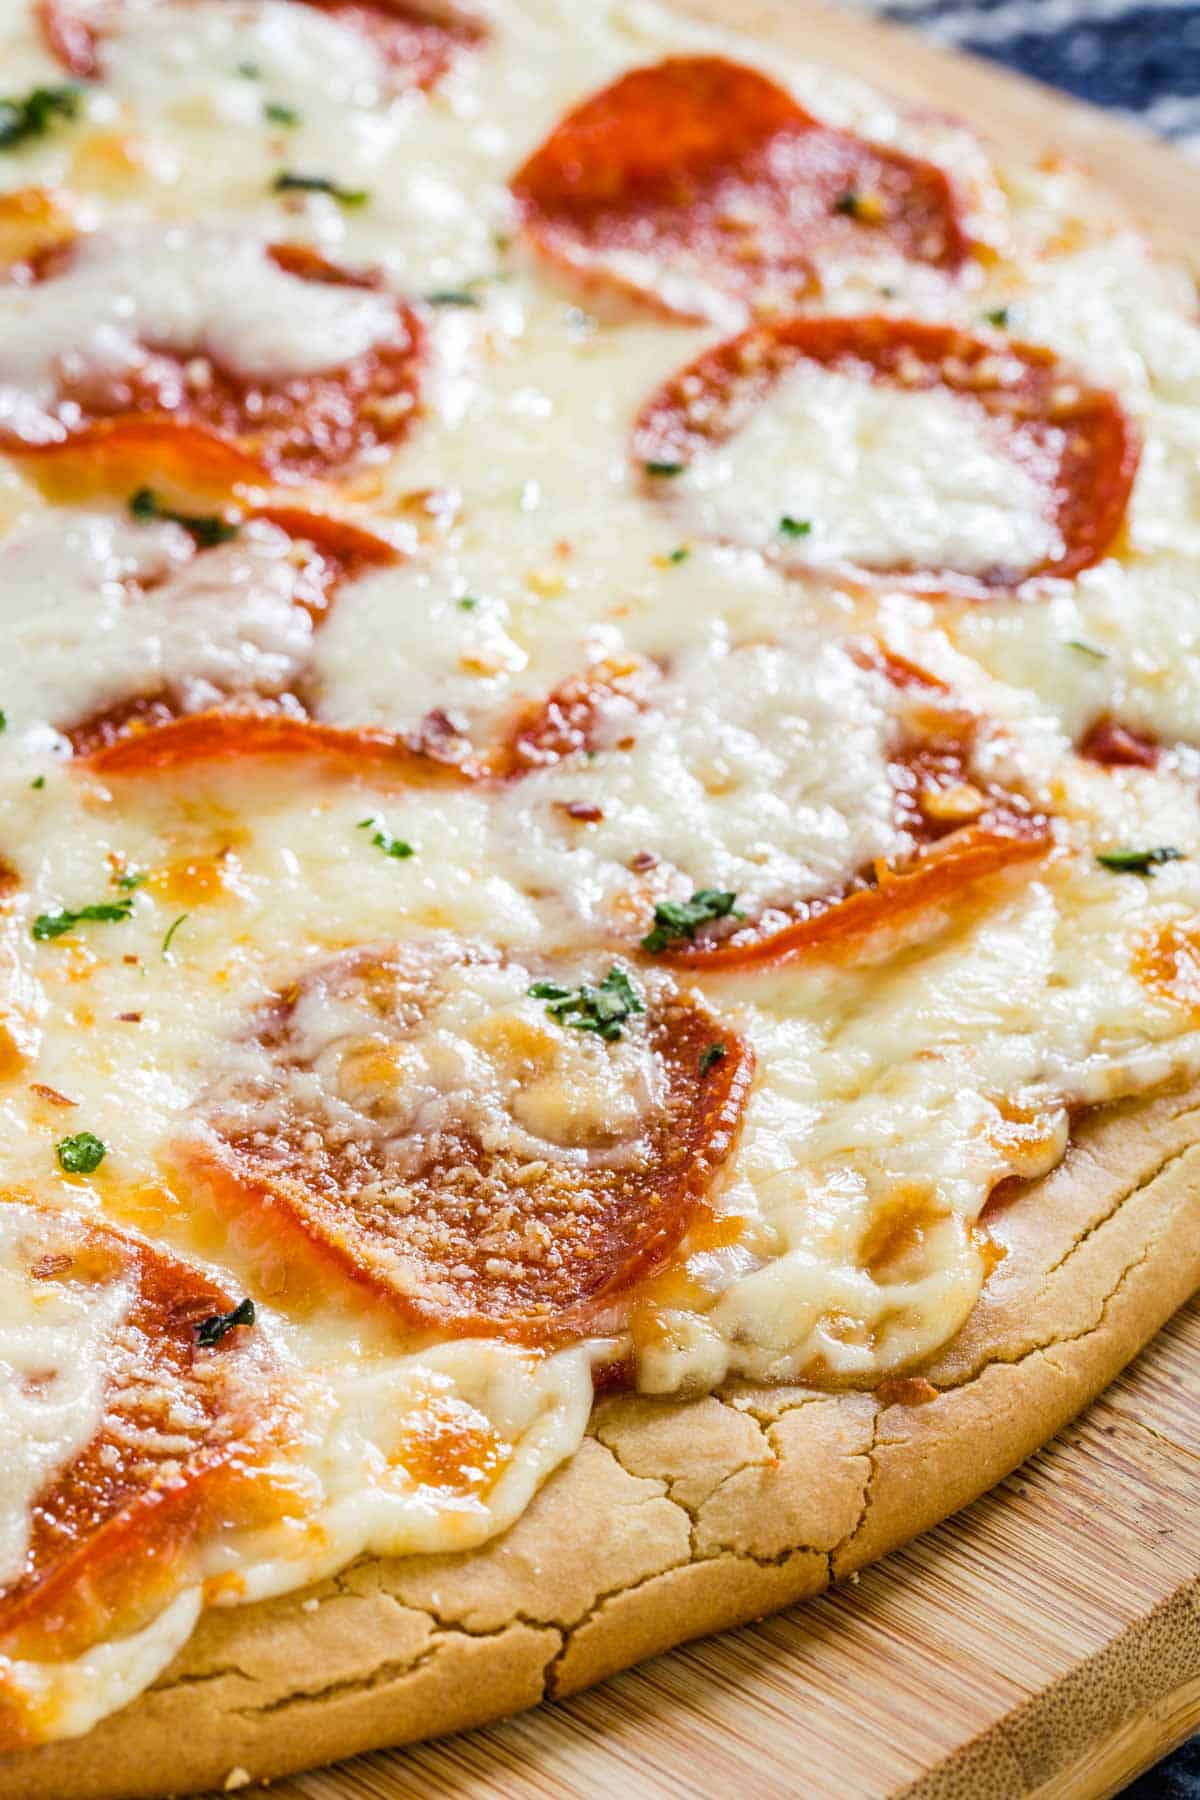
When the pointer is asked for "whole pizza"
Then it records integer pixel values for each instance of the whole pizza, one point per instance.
(599, 852)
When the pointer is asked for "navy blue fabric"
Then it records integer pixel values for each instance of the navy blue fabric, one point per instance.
(1143, 57)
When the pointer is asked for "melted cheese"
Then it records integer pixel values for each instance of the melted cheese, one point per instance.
(883, 1108)
(874, 475)
(194, 291)
(97, 610)
(55, 1345)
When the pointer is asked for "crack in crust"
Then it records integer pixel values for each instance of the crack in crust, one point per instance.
(676, 1518)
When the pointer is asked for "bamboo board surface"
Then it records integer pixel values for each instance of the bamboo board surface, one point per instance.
(1043, 1643)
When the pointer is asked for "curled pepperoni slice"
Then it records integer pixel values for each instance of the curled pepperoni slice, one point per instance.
(488, 1153)
(144, 1430)
(285, 411)
(963, 828)
(703, 186)
(418, 43)
(1072, 446)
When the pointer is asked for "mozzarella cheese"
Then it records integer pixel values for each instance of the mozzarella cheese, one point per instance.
(871, 475)
(758, 760)
(199, 292)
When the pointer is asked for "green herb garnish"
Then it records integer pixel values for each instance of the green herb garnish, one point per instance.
(207, 528)
(680, 555)
(133, 879)
(81, 1154)
(39, 781)
(602, 1009)
(468, 603)
(33, 116)
(675, 919)
(794, 528)
(665, 468)
(1092, 650)
(391, 846)
(712, 1056)
(104, 912)
(172, 928)
(3, 720)
(210, 1331)
(278, 114)
(1138, 862)
(288, 182)
(998, 316)
(453, 297)
(249, 71)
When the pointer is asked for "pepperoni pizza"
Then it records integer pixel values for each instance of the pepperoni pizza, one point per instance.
(599, 851)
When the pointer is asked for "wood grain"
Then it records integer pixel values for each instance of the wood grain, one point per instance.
(1046, 1641)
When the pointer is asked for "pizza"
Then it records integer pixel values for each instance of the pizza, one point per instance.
(599, 852)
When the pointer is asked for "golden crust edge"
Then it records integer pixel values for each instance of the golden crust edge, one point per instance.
(677, 1518)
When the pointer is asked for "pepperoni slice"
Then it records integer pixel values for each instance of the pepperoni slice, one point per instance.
(590, 711)
(166, 1437)
(699, 183)
(418, 44)
(151, 744)
(239, 426)
(1074, 441)
(486, 1160)
(1114, 745)
(325, 552)
(965, 831)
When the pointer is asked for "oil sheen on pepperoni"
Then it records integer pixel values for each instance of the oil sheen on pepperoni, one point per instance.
(410, 1119)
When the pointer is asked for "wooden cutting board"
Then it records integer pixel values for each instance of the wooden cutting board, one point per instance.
(1046, 1642)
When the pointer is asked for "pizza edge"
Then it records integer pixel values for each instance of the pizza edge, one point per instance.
(679, 1518)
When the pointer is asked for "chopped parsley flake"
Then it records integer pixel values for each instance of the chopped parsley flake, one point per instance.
(81, 1154)
(1138, 862)
(712, 1056)
(468, 603)
(278, 114)
(463, 296)
(665, 468)
(3, 719)
(391, 846)
(602, 1009)
(104, 912)
(680, 555)
(289, 182)
(794, 528)
(133, 878)
(172, 928)
(39, 781)
(998, 316)
(210, 1331)
(33, 116)
(1092, 650)
(675, 919)
(249, 71)
(207, 528)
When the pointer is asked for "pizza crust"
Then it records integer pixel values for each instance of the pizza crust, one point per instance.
(678, 1518)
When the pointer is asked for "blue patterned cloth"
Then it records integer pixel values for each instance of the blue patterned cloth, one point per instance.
(1142, 58)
